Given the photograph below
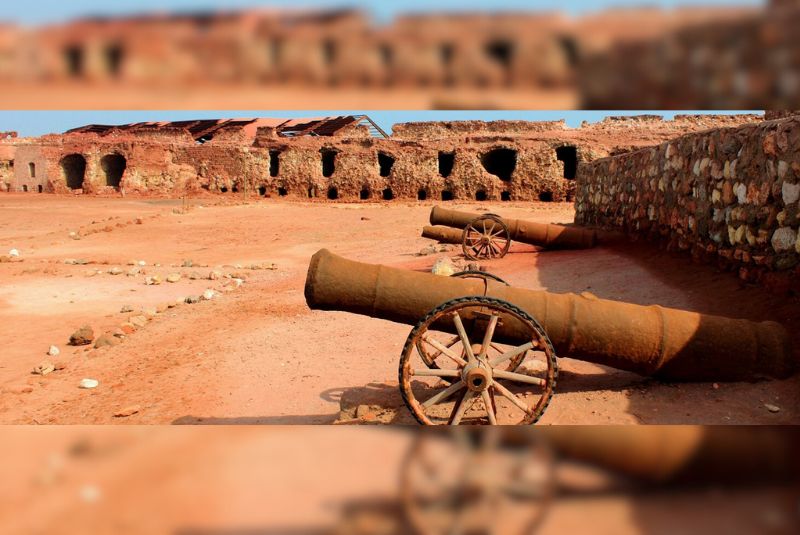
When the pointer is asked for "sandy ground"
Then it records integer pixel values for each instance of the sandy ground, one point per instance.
(258, 355)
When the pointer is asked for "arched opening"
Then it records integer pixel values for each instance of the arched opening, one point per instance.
(446, 53)
(282, 192)
(568, 155)
(500, 162)
(274, 162)
(546, 196)
(505, 196)
(40, 188)
(262, 190)
(113, 165)
(387, 54)
(25, 188)
(73, 167)
(481, 195)
(328, 162)
(223, 189)
(570, 49)
(422, 195)
(388, 194)
(364, 194)
(113, 58)
(329, 51)
(446, 161)
(447, 195)
(385, 163)
(32, 170)
(73, 58)
(501, 52)
(235, 188)
(333, 193)
(312, 192)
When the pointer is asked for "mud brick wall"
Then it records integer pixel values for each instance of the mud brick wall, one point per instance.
(729, 196)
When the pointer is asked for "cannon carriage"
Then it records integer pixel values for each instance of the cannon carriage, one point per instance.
(489, 236)
(483, 352)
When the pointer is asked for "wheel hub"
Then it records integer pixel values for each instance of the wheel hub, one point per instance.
(477, 376)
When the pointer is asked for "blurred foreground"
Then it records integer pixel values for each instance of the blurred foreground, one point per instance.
(214, 480)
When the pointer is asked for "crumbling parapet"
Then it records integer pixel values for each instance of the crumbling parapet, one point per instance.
(728, 195)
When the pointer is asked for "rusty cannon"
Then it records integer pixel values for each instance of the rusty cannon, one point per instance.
(489, 235)
(491, 348)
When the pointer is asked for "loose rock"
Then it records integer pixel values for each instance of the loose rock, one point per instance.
(153, 280)
(208, 295)
(106, 340)
(44, 368)
(771, 408)
(127, 411)
(138, 321)
(125, 309)
(13, 253)
(53, 351)
(115, 271)
(443, 267)
(82, 337)
(88, 383)
(173, 277)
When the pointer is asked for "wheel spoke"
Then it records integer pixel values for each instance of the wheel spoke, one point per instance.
(511, 397)
(461, 409)
(511, 354)
(518, 377)
(444, 350)
(464, 338)
(435, 372)
(487, 337)
(449, 344)
(444, 394)
(487, 400)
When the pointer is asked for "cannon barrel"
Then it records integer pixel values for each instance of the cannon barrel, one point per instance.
(722, 454)
(541, 234)
(442, 234)
(649, 340)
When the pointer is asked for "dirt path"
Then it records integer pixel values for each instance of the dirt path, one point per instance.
(256, 354)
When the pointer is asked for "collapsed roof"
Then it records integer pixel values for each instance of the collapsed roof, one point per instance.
(203, 130)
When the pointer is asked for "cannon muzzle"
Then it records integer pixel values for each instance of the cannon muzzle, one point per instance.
(649, 340)
(543, 235)
(442, 234)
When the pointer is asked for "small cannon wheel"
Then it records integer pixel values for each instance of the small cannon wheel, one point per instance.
(472, 382)
(466, 482)
(485, 237)
(429, 357)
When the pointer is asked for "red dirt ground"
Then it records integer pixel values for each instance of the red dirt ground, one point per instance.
(259, 355)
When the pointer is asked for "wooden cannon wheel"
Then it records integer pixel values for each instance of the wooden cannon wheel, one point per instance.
(464, 482)
(472, 382)
(429, 355)
(485, 237)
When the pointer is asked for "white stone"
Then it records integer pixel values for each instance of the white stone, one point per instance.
(13, 253)
(783, 239)
(53, 351)
(444, 267)
(741, 192)
(89, 383)
(142, 263)
(791, 192)
(208, 295)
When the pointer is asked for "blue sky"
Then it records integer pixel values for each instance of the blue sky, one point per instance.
(40, 11)
(34, 123)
